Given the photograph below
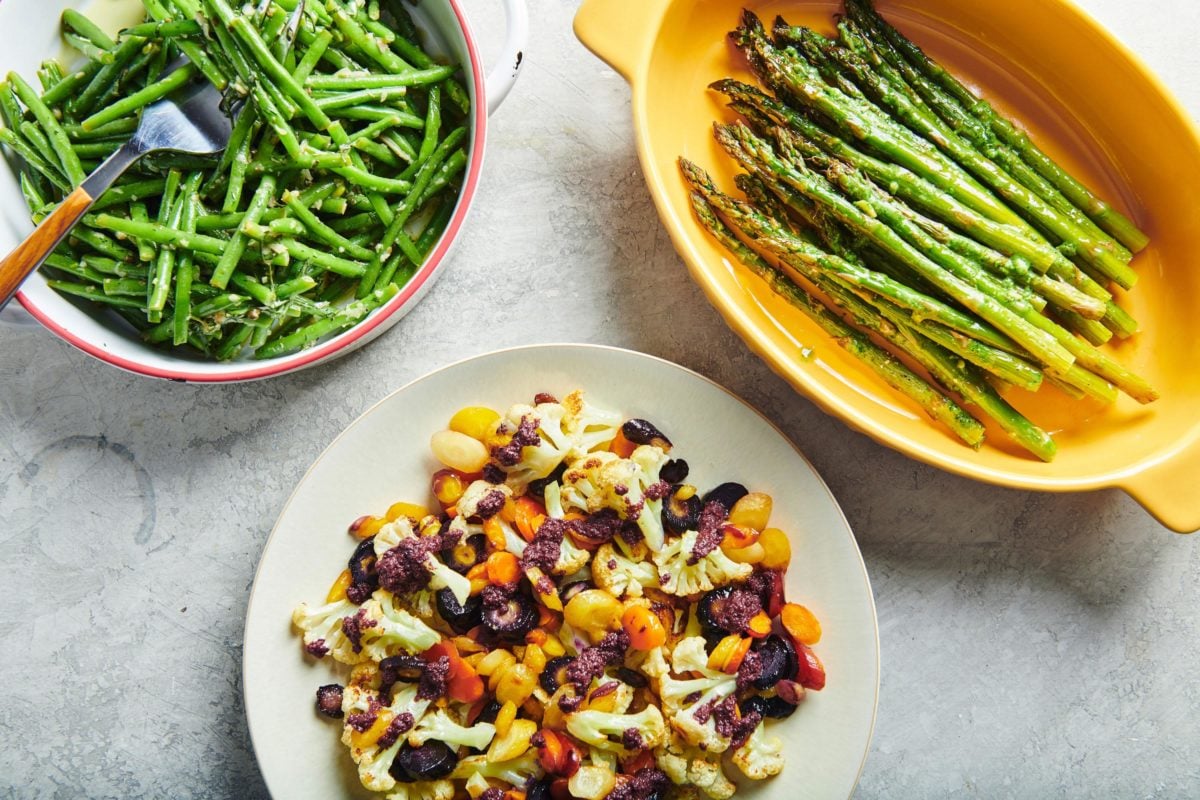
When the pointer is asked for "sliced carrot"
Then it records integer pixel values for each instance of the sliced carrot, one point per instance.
(622, 446)
(801, 623)
(528, 516)
(503, 568)
(645, 629)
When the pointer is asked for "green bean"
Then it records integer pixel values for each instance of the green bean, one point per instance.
(373, 113)
(34, 198)
(349, 316)
(234, 55)
(380, 153)
(233, 343)
(336, 290)
(159, 333)
(447, 172)
(159, 234)
(131, 287)
(182, 219)
(240, 143)
(354, 223)
(408, 205)
(104, 149)
(336, 58)
(297, 285)
(99, 242)
(121, 128)
(74, 268)
(377, 183)
(272, 27)
(274, 229)
(261, 294)
(329, 101)
(129, 192)
(312, 56)
(323, 260)
(401, 145)
(174, 29)
(222, 302)
(34, 159)
(373, 130)
(237, 245)
(220, 222)
(243, 29)
(54, 132)
(196, 54)
(140, 99)
(70, 83)
(323, 232)
(279, 124)
(83, 26)
(433, 125)
(138, 212)
(185, 276)
(87, 48)
(92, 293)
(379, 81)
(112, 266)
(10, 110)
(49, 74)
(333, 205)
(107, 76)
(170, 214)
(151, 60)
(369, 45)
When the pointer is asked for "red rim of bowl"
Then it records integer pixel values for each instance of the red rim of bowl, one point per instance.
(363, 329)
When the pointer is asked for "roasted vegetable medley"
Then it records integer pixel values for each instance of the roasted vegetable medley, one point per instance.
(569, 617)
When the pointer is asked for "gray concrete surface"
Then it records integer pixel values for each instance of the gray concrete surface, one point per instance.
(1033, 646)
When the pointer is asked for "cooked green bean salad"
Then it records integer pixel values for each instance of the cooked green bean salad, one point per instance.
(342, 171)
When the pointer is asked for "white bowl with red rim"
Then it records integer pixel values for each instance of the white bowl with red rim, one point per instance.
(29, 34)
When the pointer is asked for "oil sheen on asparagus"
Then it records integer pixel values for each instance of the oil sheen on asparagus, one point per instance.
(340, 176)
(907, 217)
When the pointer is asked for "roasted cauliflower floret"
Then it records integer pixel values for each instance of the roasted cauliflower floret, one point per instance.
(322, 628)
(623, 576)
(689, 766)
(761, 756)
(629, 486)
(686, 700)
(441, 727)
(423, 790)
(608, 731)
(682, 578)
(514, 772)
(389, 629)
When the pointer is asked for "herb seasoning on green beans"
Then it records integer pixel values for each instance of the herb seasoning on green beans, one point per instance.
(342, 171)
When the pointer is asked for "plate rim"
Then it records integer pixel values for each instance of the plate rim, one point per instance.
(624, 352)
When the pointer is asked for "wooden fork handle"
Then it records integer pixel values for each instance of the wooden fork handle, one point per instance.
(30, 254)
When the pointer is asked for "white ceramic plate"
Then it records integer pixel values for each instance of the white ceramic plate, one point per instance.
(384, 457)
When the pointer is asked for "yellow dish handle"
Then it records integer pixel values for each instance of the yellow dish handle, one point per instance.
(1170, 489)
(619, 32)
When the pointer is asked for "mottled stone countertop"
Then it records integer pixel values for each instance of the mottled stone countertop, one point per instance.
(1032, 645)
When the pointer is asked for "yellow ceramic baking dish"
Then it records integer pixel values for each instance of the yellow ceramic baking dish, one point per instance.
(1084, 97)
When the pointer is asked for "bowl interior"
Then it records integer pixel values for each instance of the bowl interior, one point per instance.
(29, 33)
(1084, 100)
